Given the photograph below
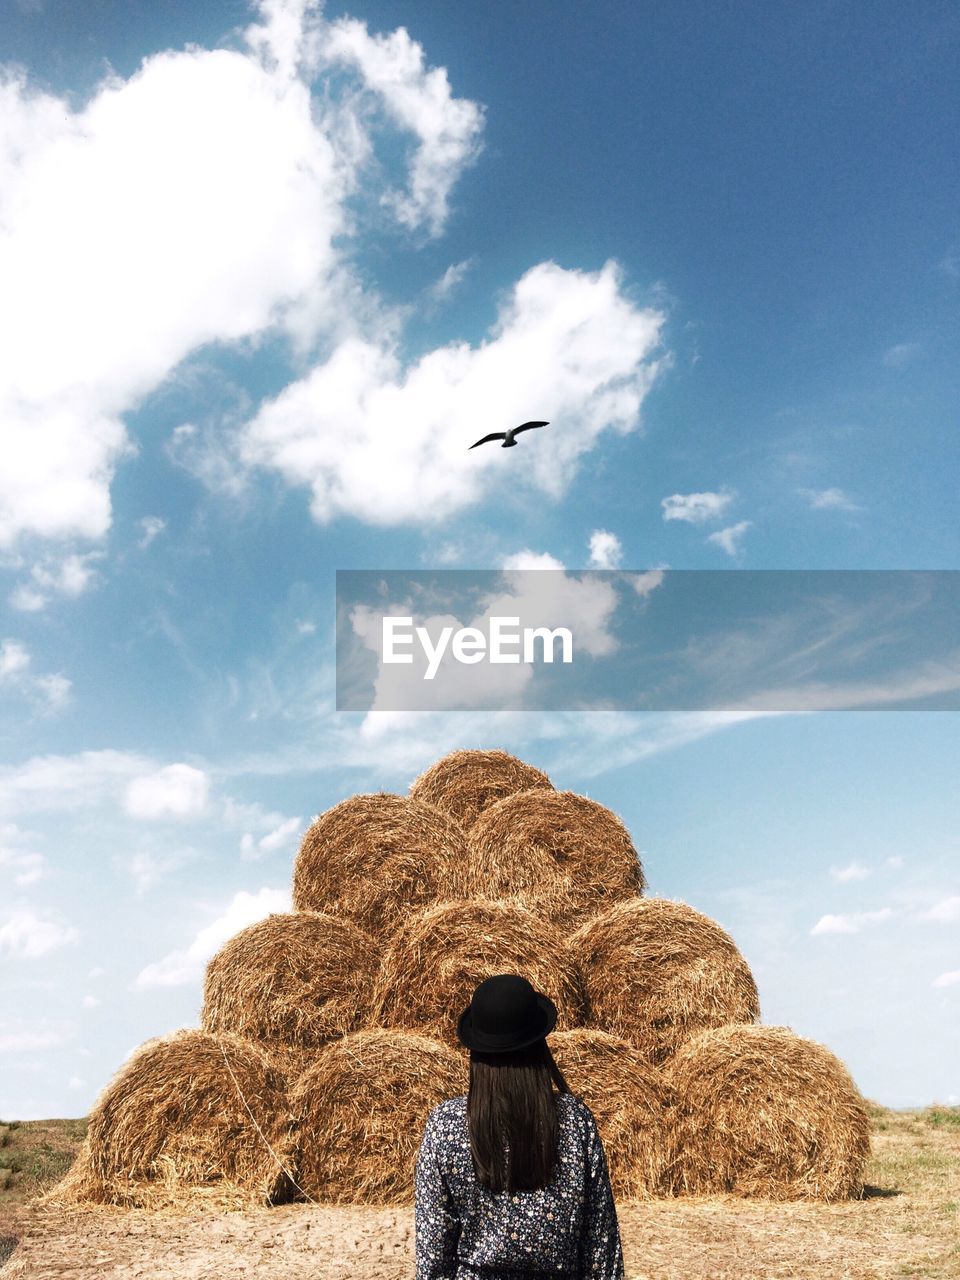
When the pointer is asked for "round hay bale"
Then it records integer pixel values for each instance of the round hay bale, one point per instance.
(290, 981)
(762, 1112)
(656, 972)
(172, 1122)
(464, 783)
(432, 966)
(631, 1102)
(567, 855)
(359, 1113)
(375, 858)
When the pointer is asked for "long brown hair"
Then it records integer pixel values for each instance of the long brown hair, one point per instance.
(512, 1117)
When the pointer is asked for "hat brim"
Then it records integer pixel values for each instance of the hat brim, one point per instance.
(483, 1042)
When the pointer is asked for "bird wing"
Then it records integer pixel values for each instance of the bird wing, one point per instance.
(496, 435)
(525, 426)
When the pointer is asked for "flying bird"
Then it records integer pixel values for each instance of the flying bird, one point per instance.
(508, 436)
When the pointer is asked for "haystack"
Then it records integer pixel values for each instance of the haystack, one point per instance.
(762, 1112)
(435, 961)
(374, 858)
(631, 1102)
(657, 972)
(171, 1124)
(464, 783)
(360, 1110)
(292, 982)
(563, 853)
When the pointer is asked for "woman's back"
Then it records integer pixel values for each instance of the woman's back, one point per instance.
(567, 1228)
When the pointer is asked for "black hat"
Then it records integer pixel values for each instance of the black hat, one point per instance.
(504, 1014)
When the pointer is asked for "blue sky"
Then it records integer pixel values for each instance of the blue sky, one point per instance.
(269, 270)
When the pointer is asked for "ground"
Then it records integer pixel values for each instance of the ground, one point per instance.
(907, 1225)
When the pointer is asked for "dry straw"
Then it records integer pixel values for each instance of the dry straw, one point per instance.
(656, 972)
(374, 858)
(290, 981)
(432, 966)
(567, 855)
(631, 1102)
(762, 1112)
(172, 1127)
(464, 783)
(360, 1110)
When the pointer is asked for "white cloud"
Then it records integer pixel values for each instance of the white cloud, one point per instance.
(51, 691)
(176, 791)
(521, 561)
(75, 1083)
(96, 972)
(894, 863)
(646, 583)
(212, 160)
(150, 527)
(19, 1036)
(948, 910)
(729, 539)
(283, 836)
(13, 659)
(696, 508)
(852, 871)
(55, 783)
(852, 923)
(897, 356)
(949, 979)
(829, 500)
(91, 1002)
(450, 281)
(390, 444)
(25, 865)
(606, 550)
(27, 936)
(419, 100)
(181, 967)
(148, 869)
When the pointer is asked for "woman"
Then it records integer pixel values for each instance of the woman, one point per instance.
(512, 1180)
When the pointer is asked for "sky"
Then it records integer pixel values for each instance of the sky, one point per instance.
(268, 270)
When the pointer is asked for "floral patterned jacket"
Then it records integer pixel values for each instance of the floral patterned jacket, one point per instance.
(567, 1229)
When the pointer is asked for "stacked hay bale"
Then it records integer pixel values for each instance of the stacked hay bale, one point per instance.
(327, 1034)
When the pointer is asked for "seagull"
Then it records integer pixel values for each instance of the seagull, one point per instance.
(508, 436)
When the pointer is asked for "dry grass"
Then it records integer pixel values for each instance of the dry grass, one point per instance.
(564, 854)
(464, 783)
(432, 966)
(762, 1112)
(290, 981)
(656, 972)
(631, 1102)
(374, 858)
(359, 1114)
(171, 1124)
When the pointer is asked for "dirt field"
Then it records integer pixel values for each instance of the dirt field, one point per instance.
(906, 1226)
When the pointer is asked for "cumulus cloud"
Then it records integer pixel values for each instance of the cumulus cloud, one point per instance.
(176, 791)
(450, 281)
(283, 836)
(696, 508)
(949, 979)
(829, 500)
(606, 550)
(729, 539)
(947, 911)
(526, 559)
(150, 528)
(24, 864)
(51, 783)
(51, 690)
(27, 936)
(389, 444)
(224, 167)
(852, 871)
(20, 1036)
(180, 967)
(419, 100)
(854, 922)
